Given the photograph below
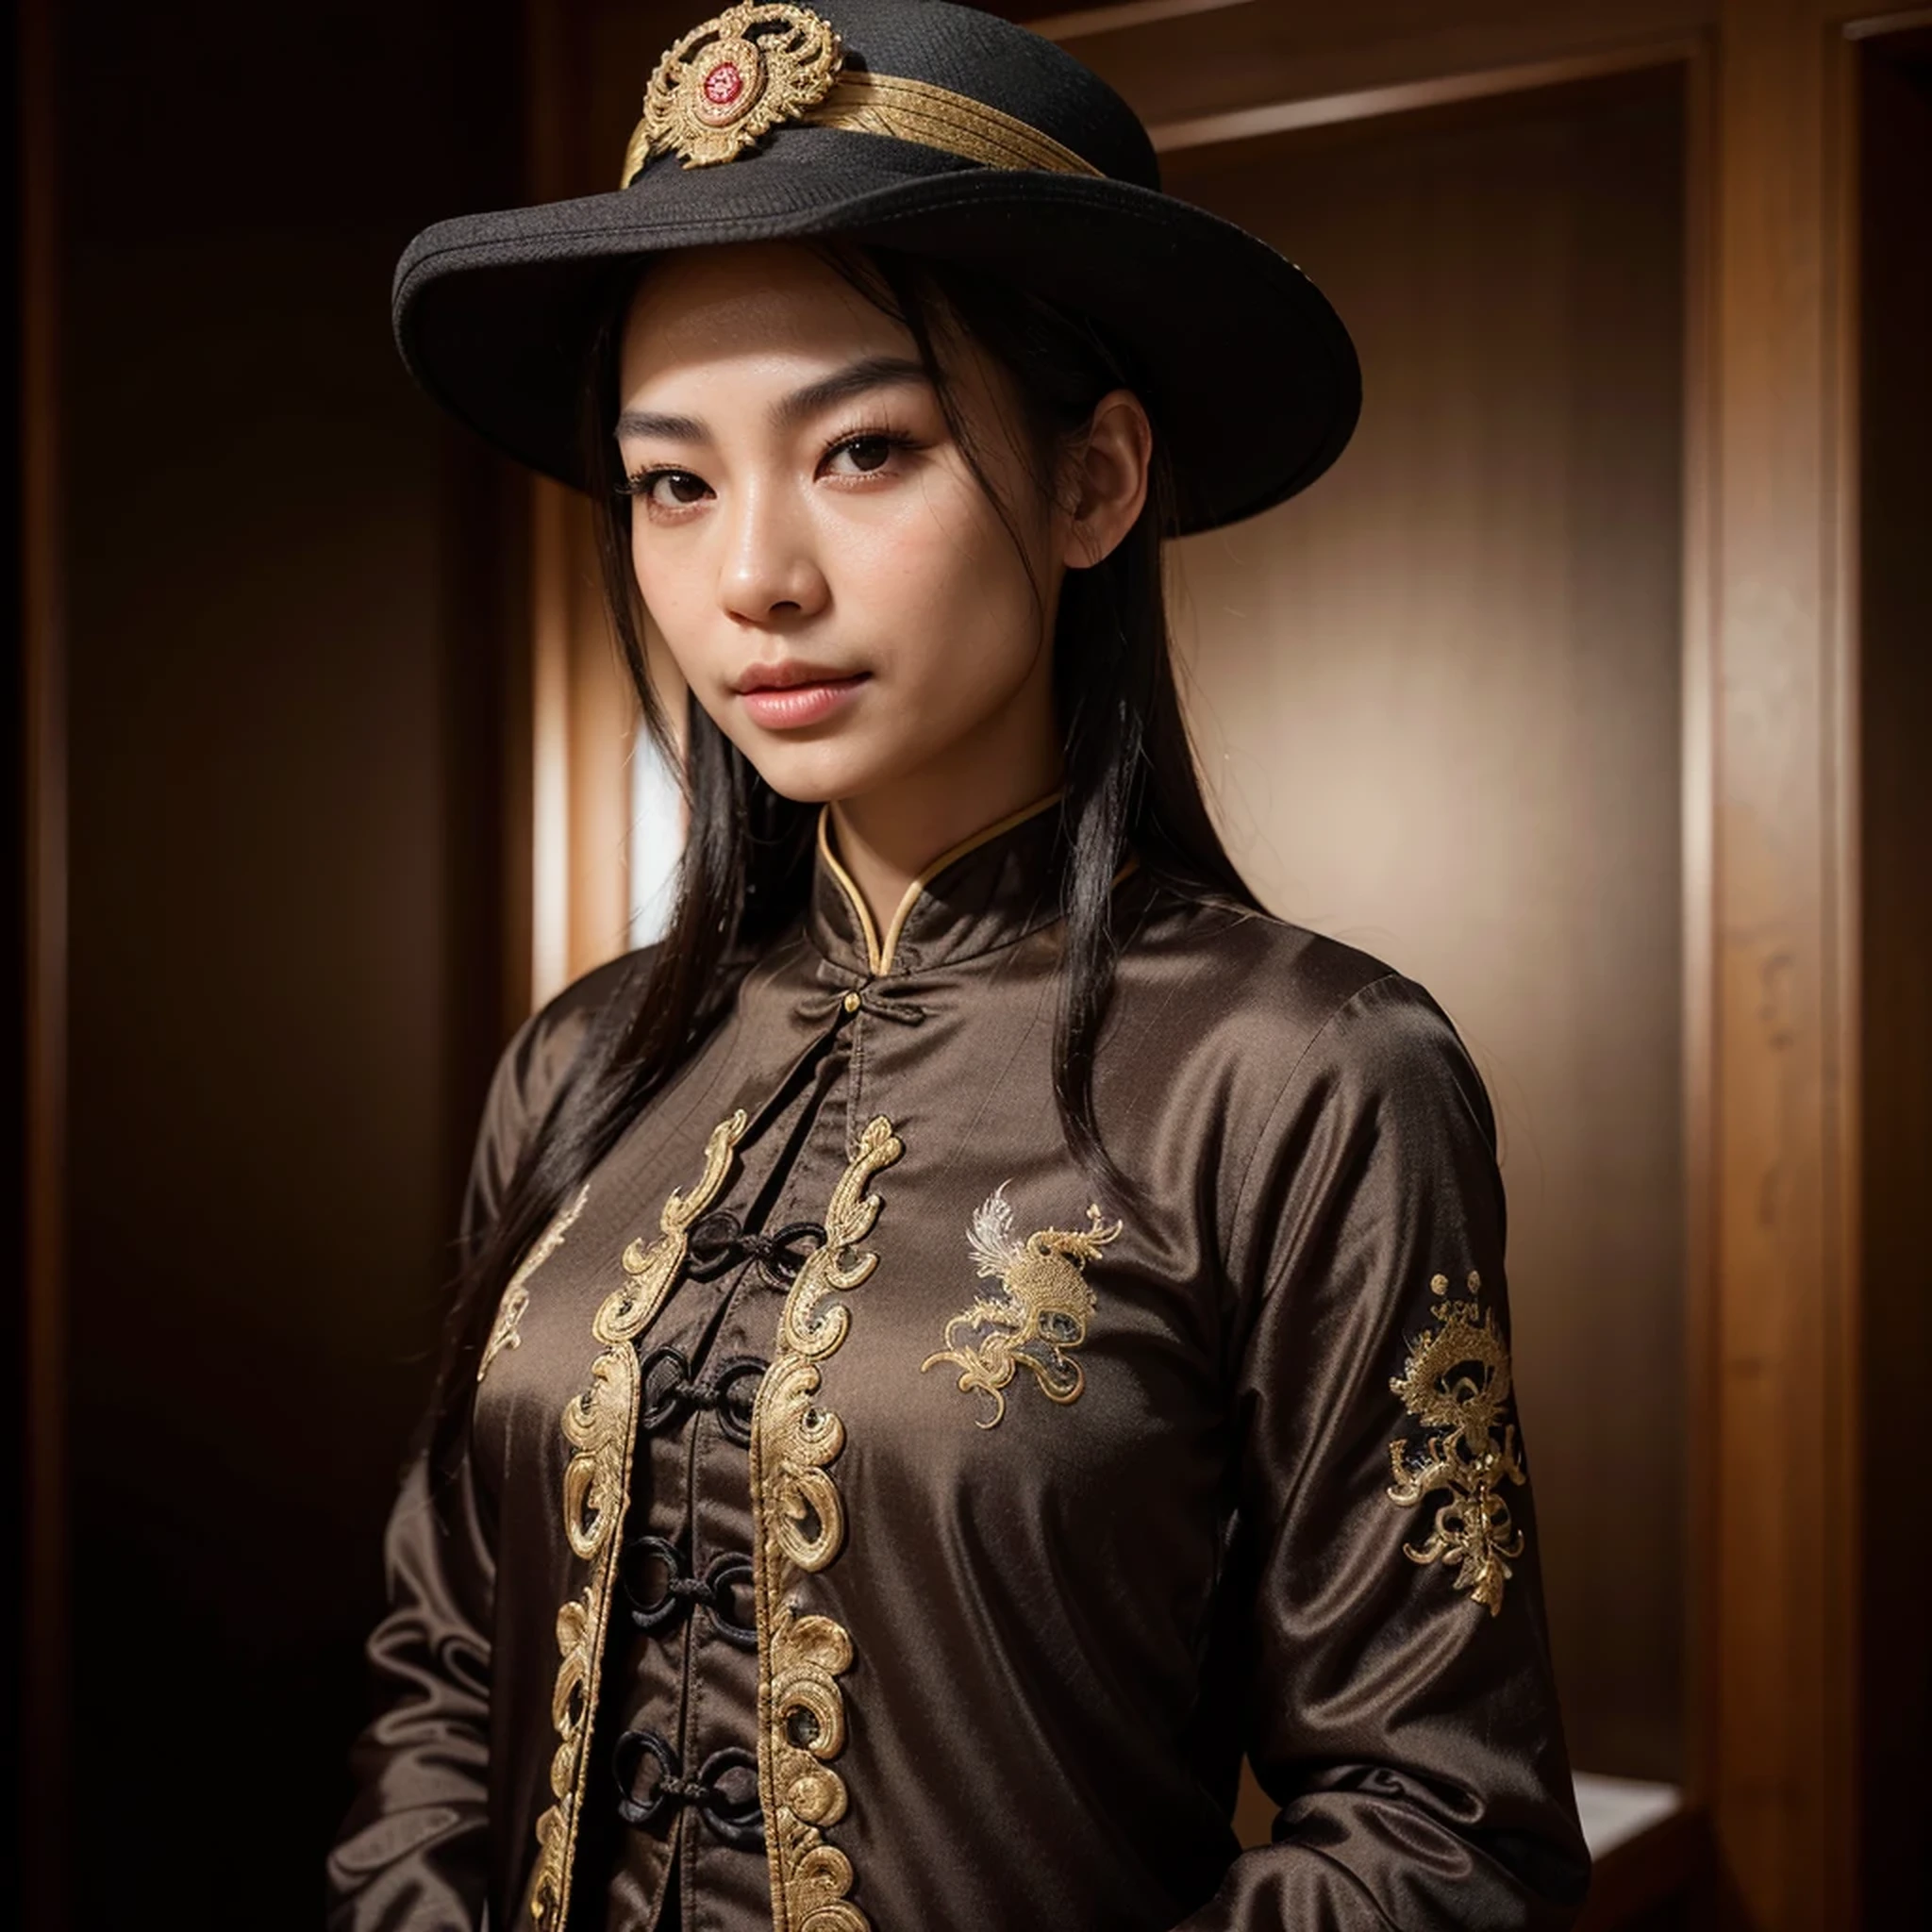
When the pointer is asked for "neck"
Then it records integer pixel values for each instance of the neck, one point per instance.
(888, 838)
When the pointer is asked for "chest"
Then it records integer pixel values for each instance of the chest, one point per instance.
(993, 1337)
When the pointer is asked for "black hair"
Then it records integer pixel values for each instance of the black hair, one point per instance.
(1130, 785)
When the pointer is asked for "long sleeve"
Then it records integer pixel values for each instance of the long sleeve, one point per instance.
(1388, 1654)
(415, 1850)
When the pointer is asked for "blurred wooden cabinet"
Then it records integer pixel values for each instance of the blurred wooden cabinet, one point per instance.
(1588, 689)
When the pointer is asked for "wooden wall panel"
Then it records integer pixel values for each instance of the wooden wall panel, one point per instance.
(1180, 64)
(1782, 1670)
(1439, 701)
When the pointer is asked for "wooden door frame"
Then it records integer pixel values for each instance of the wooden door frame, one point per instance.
(1778, 1717)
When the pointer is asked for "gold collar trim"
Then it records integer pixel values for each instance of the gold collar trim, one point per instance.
(879, 953)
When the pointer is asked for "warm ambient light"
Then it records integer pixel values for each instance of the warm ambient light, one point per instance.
(657, 839)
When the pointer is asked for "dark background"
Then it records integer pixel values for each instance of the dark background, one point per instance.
(288, 586)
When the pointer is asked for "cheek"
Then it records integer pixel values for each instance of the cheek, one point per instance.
(673, 590)
(656, 573)
(949, 598)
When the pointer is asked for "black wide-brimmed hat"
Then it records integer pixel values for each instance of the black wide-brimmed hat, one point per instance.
(915, 126)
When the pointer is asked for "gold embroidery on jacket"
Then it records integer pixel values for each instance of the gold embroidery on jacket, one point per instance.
(801, 1527)
(506, 1330)
(1456, 1383)
(1041, 1316)
(601, 1425)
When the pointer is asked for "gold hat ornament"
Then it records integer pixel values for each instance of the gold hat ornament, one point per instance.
(730, 81)
(727, 83)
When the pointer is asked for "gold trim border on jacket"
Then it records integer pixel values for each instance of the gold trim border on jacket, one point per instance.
(601, 1425)
(722, 87)
(795, 1438)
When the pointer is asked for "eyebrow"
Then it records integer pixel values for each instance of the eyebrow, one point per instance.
(858, 378)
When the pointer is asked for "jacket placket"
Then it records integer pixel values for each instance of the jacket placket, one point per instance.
(602, 1426)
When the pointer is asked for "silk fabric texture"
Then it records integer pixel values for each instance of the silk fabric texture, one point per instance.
(1070, 1601)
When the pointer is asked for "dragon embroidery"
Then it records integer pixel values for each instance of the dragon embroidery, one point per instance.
(1040, 1315)
(1456, 1383)
(506, 1332)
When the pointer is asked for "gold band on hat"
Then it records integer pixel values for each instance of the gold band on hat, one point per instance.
(725, 85)
(930, 116)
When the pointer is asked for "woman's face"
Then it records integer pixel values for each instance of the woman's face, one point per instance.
(828, 574)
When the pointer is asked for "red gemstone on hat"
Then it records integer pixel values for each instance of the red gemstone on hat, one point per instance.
(724, 84)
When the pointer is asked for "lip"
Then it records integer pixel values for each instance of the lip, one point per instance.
(789, 695)
(787, 674)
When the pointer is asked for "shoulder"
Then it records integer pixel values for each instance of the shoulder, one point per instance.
(543, 1057)
(1366, 1102)
(1285, 1006)
(549, 1046)
(1307, 1063)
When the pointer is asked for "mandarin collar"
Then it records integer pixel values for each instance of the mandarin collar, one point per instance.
(984, 893)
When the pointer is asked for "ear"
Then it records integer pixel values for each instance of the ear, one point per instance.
(1109, 478)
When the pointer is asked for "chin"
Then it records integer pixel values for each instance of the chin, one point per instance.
(816, 774)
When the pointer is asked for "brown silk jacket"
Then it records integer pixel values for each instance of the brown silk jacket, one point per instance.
(865, 1526)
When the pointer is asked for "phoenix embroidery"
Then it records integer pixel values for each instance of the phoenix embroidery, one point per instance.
(1040, 1315)
(1457, 1384)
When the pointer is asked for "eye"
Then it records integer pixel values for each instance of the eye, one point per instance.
(667, 489)
(863, 455)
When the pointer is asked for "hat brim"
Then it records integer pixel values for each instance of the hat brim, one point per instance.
(1255, 384)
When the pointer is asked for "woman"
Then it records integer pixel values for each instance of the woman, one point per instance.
(983, 1327)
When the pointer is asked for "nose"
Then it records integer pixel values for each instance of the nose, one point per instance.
(769, 573)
